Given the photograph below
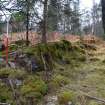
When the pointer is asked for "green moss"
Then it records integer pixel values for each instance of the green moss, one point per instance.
(13, 47)
(94, 59)
(33, 87)
(58, 51)
(82, 58)
(5, 93)
(65, 97)
(59, 81)
(12, 73)
(29, 51)
(93, 103)
(103, 61)
(78, 48)
(21, 42)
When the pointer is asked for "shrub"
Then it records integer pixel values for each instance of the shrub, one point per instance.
(82, 58)
(21, 42)
(19, 74)
(90, 47)
(66, 44)
(78, 48)
(58, 81)
(29, 51)
(13, 73)
(78, 56)
(65, 97)
(34, 87)
(103, 61)
(62, 45)
(94, 59)
(5, 93)
(13, 47)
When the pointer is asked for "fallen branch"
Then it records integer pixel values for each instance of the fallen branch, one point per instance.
(93, 97)
(86, 95)
(14, 92)
(4, 103)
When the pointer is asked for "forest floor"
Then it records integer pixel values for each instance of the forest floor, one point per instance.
(78, 75)
(87, 79)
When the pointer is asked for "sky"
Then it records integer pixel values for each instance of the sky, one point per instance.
(87, 4)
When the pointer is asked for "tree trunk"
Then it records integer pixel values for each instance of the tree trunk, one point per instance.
(103, 13)
(45, 57)
(44, 30)
(27, 24)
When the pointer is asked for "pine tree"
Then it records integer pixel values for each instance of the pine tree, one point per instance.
(53, 13)
(76, 18)
(103, 13)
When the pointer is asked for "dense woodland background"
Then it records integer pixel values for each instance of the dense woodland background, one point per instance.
(62, 16)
